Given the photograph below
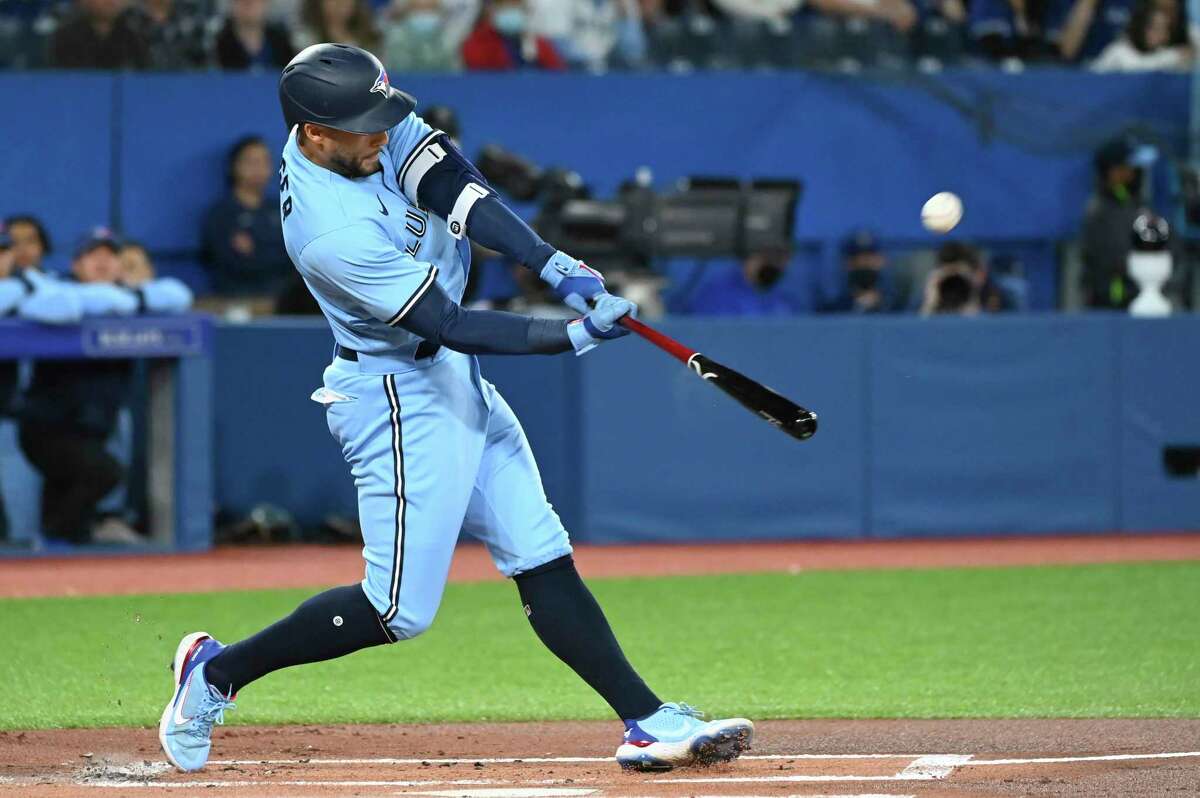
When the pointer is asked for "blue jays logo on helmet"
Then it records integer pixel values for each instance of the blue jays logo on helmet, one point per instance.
(382, 84)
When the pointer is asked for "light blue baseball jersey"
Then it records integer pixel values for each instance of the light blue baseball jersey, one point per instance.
(433, 448)
(366, 250)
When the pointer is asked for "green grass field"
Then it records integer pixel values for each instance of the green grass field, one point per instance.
(1097, 641)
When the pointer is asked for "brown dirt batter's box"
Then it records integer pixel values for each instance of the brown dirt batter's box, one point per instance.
(1003, 757)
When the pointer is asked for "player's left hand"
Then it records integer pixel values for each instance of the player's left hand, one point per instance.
(601, 323)
(574, 281)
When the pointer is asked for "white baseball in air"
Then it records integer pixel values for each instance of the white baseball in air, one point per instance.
(942, 212)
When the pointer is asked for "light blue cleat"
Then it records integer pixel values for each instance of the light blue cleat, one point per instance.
(677, 736)
(185, 730)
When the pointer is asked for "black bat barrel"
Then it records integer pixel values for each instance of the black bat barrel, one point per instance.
(797, 421)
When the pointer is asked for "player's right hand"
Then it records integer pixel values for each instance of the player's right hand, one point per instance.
(573, 280)
(600, 324)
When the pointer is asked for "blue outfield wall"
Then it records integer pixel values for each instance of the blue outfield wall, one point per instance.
(1029, 425)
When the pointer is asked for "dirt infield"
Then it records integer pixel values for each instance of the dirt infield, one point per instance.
(235, 568)
(894, 758)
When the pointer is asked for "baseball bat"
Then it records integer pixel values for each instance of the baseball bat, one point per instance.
(783, 413)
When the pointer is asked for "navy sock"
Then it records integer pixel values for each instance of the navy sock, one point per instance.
(328, 625)
(567, 619)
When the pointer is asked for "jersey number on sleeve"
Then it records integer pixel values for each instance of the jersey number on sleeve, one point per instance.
(283, 188)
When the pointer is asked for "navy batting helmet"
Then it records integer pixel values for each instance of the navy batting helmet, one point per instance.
(342, 87)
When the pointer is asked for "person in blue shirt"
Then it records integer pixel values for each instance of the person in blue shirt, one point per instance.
(866, 281)
(378, 213)
(749, 290)
(70, 408)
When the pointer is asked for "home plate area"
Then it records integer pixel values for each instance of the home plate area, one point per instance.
(790, 758)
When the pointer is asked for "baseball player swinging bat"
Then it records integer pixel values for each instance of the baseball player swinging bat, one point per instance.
(783, 413)
(378, 211)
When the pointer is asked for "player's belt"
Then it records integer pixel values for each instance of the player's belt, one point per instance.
(424, 350)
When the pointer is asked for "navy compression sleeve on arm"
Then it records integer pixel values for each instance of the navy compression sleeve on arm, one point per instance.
(439, 177)
(440, 320)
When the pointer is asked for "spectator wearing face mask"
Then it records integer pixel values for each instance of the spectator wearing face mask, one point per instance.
(751, 290)
(503, 40)
(100, 35)
(592, 34)
(247, 40)
(416, 40)
(242, 238)
(867, 285)
(1120, 168)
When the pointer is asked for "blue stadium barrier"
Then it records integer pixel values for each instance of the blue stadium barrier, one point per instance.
(947, 427)
(147, 152)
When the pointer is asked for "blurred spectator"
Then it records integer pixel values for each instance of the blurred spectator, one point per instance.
(748, 291)
(242, 238)
(962, 285)
(1150, 42)
(136, 268)
(1022, 29)
(503, 40)
(8, 368)
(1090, 26)
(416, 40)
(71, 407)
(68, 414)
(867, 286)
(30, 242)
(25, 26)
(1108, 219)
(99, 35)
(343, 21)
(248, 41)
(445, 119)
(941, 30)
(852, 34)
(593, 34)
(7, 260)
(176, 31)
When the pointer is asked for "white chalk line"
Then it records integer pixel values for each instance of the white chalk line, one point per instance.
(536, 760)
(122, 784)
(934, 766)
(968, 759)
(1049, 760)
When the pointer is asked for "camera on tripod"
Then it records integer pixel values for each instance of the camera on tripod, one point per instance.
(703, 217)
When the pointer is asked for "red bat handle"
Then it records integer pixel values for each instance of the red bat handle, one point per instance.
(664, 342)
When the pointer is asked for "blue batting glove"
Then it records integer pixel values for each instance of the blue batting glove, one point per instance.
(601, 323)
(574, 281)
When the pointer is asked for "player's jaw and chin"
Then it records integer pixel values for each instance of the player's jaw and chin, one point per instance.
(354, 167)
(346, 157)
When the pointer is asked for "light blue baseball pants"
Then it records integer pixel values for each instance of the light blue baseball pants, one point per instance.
(434, 450)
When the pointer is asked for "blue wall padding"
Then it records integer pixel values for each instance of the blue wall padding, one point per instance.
(1002, 427)
(1017, 147)
(1160, 405)
(271, 440)
(1032, 424)
(666, 453)
(57, 139)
